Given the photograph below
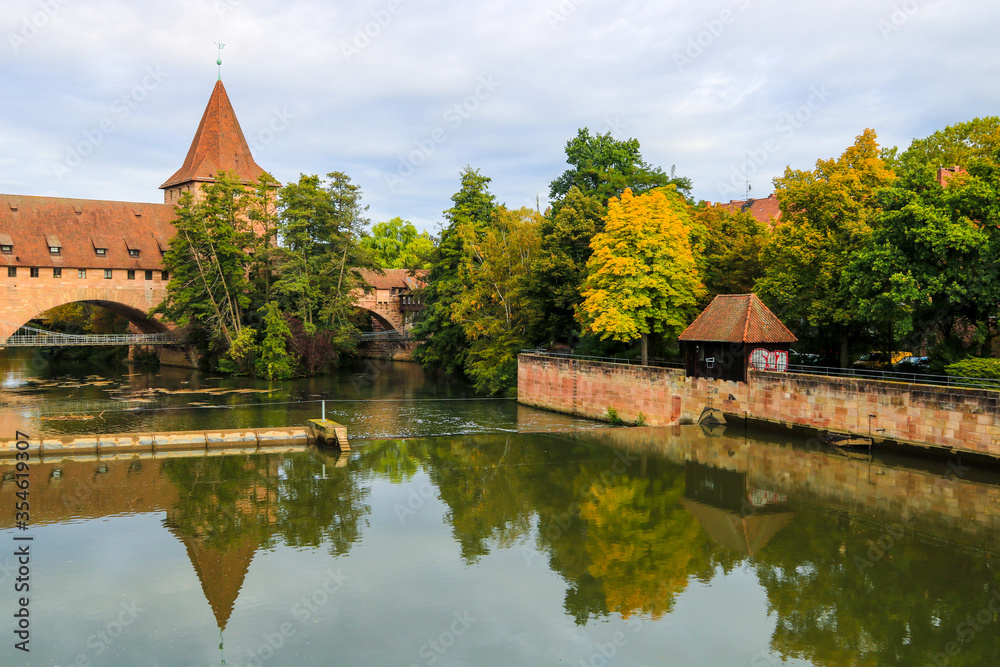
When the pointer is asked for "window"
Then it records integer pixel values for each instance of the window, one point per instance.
(34, 272)
(57, 272)
(54, 249)
(12, 272)
(107, 274)
(81, 273)
(164, 275)
(6, 248)
(101, 252)
(130, 274)
(149, 275)
(132, 252)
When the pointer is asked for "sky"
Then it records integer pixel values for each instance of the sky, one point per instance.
(101, 98)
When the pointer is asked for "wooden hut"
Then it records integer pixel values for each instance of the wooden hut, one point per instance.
(735, 332)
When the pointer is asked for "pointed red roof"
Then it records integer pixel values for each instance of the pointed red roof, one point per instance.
(219, 145)
(738, 318)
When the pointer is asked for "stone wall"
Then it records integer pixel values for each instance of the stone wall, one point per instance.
(941, 417)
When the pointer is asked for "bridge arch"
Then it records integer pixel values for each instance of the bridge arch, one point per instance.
(376, 317)
(22, 303)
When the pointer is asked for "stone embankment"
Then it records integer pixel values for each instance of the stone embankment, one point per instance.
(948, 418)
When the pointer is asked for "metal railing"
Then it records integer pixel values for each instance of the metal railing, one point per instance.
(403, 335)
(897, 376)
(829, 371)
(659, 363)
(32, 337)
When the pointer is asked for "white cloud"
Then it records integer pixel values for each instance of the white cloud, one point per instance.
(561, 65)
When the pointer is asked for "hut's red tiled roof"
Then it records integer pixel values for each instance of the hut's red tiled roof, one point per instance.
(409, 279)
(766, 211)
(219, 145)
(738, 318)
(78, 227)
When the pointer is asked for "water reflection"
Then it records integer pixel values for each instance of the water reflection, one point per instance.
(631, 521)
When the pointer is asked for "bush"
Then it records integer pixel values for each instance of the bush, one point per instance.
(974, 367)
(613, 417)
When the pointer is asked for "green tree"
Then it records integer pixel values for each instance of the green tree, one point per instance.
(561, 267)
(958, 144)
(604, 167)
(827, 216)
(320, 224)
(727, 248)
(445, 344)
(642, 276)
(209, 259)
(275, 363)
(930, 268)
(397, 244)
(493, 309)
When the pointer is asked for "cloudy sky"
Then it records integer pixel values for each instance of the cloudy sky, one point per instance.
(101, 98)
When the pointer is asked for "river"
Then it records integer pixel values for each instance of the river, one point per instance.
(466, 531)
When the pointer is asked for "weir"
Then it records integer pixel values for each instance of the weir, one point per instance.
(222, 440)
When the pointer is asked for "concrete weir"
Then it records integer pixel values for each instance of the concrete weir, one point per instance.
(133, 443)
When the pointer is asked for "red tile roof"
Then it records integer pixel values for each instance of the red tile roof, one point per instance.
(78, 226)
(766, 210)
(409, 279)
(219, 145)
(738, 318)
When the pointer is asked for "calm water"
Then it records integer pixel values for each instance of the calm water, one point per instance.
(459, 534)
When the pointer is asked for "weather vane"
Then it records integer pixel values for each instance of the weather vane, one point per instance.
(219, 61)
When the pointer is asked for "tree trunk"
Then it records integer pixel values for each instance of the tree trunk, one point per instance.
(645, 349)
(845, 358)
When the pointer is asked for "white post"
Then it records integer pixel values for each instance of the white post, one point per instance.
(324, 410)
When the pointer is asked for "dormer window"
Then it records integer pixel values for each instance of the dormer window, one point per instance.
(100, 246)
(6, 244)
(132, 252)
(55, 246)
(54, 249)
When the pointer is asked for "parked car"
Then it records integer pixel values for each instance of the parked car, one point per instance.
(880, 360)
(802, 358)
(913, 363)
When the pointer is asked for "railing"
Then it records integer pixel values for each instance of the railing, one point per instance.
(403, 335)
(897, 376)
(861, 373)
(32, 337)
(659, 363)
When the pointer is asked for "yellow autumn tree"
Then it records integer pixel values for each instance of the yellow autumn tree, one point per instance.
(642, 277)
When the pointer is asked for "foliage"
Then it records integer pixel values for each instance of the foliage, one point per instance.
(445, 344)
(728, 248)
(396, 244)
(561, 266)
(827, 216)
(613, 418)
(320, 225)
(240, 357)
(959, 144)
(642, 275)
(78, 317)
(930, 268)
(274, 362)
(603, 167)
(493, 309)
(975, 368)
(210, 258)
